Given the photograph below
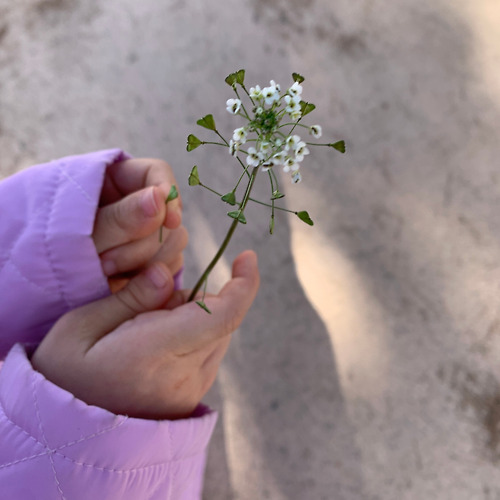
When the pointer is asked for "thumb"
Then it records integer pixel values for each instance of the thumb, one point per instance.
(228, 308)
(137, 215)
(147, 291)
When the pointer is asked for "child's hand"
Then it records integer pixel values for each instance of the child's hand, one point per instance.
(131, 211)
(125, 354)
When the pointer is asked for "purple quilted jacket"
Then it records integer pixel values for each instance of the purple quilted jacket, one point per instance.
(52, 445)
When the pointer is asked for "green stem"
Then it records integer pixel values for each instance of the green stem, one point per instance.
(239, 180)
(273, 174)
(293, 128)
(249, 199)
(295, 124)
(210, 189)
(227, 239)
(225, 142)
(271, 206)
(247, 93)
(242, 105)
(216, 143)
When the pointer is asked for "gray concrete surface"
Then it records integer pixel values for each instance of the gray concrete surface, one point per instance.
(368, 368)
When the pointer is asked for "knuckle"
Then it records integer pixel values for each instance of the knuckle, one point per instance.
(119, 216)
(162, 164)
(158, 165)
(131, 299)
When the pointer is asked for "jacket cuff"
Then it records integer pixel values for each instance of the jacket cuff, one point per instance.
(78, 185)
(91, 450)
(47, 231)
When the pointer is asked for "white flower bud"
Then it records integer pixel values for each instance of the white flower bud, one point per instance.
(233, 106)
(316, 131)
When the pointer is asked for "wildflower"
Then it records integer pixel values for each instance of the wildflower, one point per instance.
(279, 158)
(254, 157)
(291, 142)
(290, 164)
(265, 147)
(240, 135)
(315, 131)
(295, 90)
(270, 121)
(234, 147)
(233, 106)
(301, 151)
(271, 94)
(293, 104)
(255, 92)
(268, 164)
(274, 84)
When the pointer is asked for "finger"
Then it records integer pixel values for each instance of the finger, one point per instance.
(135, 216)
(123, 178)
(137, 173)
(119, 281)
(175, 243)
(147, 291)
(129, 257)
(176, 265)
(136, 254)
(228, 308)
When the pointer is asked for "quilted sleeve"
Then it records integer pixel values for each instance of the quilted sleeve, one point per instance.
(46, 218)
(54, 446)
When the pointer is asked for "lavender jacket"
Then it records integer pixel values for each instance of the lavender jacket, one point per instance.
(52, 445)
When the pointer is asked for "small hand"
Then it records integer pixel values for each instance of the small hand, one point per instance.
(132, 209)
(143, 351)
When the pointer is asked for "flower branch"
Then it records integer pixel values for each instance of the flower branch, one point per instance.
(273, 146)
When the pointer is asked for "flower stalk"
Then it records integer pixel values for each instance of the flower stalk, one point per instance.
(204, 277)
(271, 120)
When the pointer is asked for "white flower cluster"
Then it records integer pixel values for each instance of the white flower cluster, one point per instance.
(272, 146)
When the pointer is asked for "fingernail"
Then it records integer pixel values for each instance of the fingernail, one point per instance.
(149, 203)
(158, 275)
(108, 267)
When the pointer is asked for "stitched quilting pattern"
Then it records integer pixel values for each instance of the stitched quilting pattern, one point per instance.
(40, 447)
(49, 207)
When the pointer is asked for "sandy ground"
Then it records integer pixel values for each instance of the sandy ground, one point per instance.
(368, 368)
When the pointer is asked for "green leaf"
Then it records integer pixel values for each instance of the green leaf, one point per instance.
(172, 195)
(236, 77)
(229, 198)
(306, 107)
(240, 77)
(339, 146)
(304, 216)
(193, 142)
(297, 77)
(271, 225)
(238, 215)
(194, 179)
(231, 79)
(207, 121)
(277, 195)
(204, 306)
